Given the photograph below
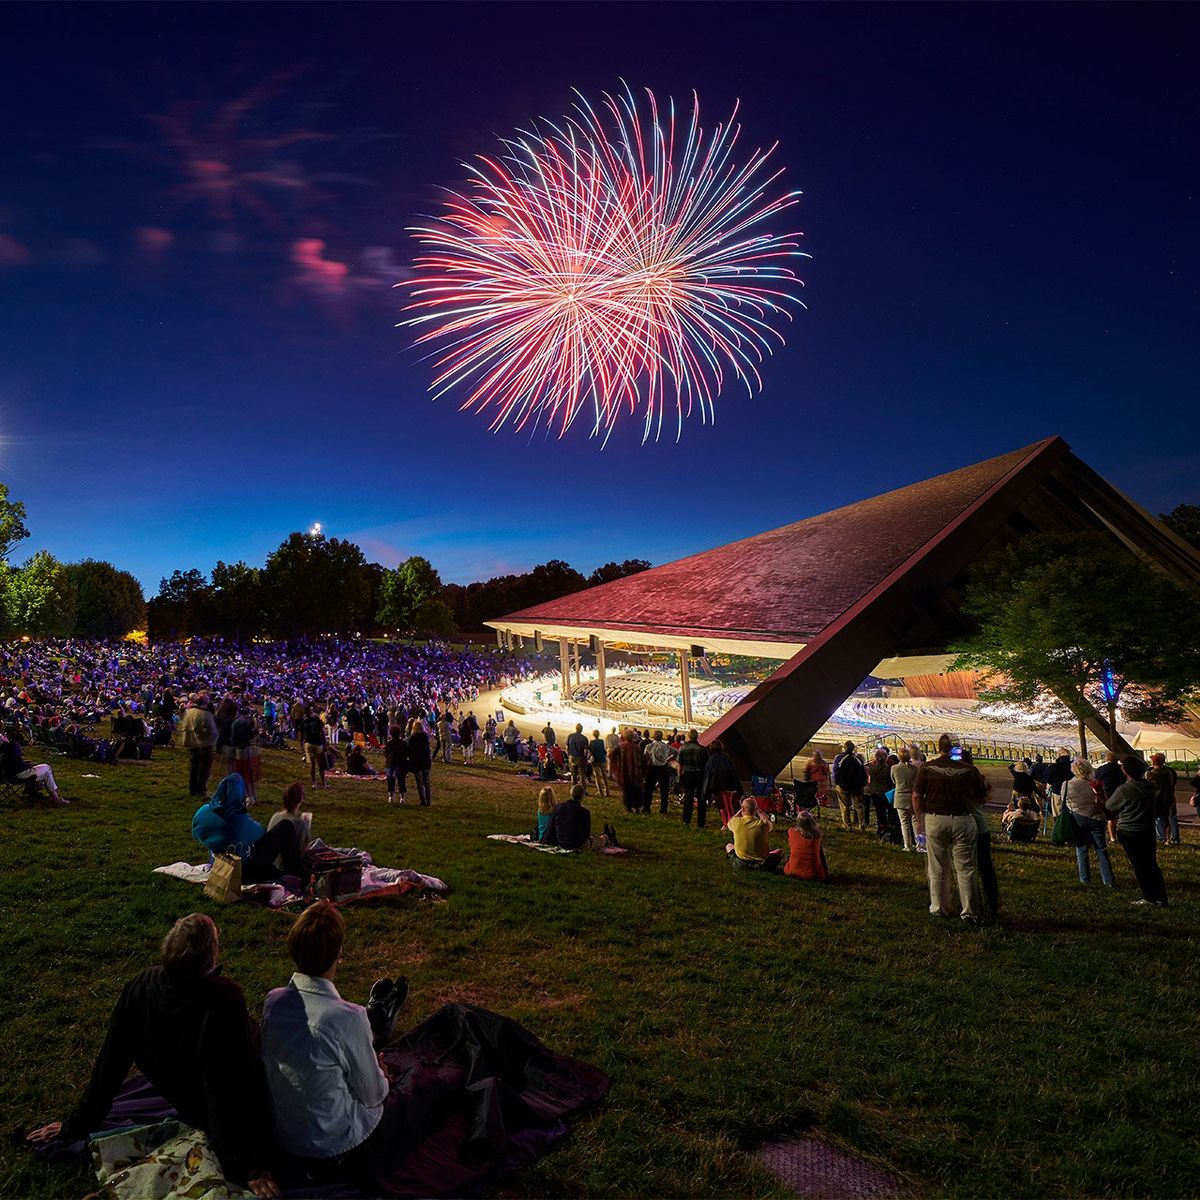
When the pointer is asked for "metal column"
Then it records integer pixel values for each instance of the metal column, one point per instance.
(686, 684)
(578, 663)
(603, 695)
(563, 651)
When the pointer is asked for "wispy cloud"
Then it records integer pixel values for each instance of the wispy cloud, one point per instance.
(13, 253)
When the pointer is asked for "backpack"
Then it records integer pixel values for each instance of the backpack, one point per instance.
(851, 774)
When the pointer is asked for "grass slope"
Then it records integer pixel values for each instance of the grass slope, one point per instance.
(1053, 1054)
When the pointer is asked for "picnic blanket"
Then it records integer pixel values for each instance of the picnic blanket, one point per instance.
(378, 883)
(487, 1098)
(524, 839)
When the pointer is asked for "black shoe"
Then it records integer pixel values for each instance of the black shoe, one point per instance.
(611, 834)
(383, 1008)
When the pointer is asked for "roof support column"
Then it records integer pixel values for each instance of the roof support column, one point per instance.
(564, 666)
(685, 684)
(578, 663)
(602, 695)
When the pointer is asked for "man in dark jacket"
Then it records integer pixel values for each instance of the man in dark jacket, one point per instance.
(570, 823)
(1057, 773)
(1109, 773)
(1133, 806)
(849, 781)
(187, 1030)
(692, 758)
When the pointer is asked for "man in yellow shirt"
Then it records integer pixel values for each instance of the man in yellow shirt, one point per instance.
(751, 847)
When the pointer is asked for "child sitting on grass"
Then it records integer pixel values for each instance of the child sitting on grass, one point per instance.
(545, 806)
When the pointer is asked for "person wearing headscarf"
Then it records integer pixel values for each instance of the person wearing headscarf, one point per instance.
(224, 825)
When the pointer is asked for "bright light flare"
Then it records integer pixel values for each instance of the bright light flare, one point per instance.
(618, 262)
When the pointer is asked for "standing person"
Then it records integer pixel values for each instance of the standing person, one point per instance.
(1109, 774)
(299, 711)
(658, 755)
(692, 759)
(879, 783)
(445, 734)
(247, 760)
(816, 772)
(629, 771)
(903, 774)
(268, 716)
(198, 735)
(1057, 773)
(1166, 816)
(489, 737)
(947, 790)
(187, 1029)
(577, 751)
(395, 761)
(849, 780)
(598, 749)
(1133, 805)
(511, 738)
(1084, 806)
(420, 760)
(722, 785)
(468, 731)
(548, 735)
(312, 733)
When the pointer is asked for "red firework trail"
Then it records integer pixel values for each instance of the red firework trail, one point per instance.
(613, 263)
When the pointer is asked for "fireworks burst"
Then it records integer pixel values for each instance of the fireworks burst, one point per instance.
(612, 263)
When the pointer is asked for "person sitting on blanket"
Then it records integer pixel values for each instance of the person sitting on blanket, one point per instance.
(751, 845)
(545, 806)
(293, 797)
(806, 855)
(356, 762)
(326, 1082)
(186, 1028)
(14, 769)
(570, 826)
(223, 824)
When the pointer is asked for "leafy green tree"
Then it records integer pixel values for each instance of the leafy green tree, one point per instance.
(237, 600)
(405, 590)
(182, 607)
(108, 602)
(1078, 617)
(39, 598)
(1184, 519)
(12, 523)
(313, 585)
(617, 570)
(435, 618)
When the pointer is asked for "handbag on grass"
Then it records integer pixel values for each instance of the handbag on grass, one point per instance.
(224, 881)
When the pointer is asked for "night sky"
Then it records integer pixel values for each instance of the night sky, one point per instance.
(202, 210)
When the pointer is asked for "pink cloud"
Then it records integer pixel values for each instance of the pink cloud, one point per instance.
(152, 240)
(315, 271)
(13, 253)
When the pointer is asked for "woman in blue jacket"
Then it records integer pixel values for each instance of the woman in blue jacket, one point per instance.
(223, 824)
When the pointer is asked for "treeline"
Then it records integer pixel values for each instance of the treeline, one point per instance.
(314, 585)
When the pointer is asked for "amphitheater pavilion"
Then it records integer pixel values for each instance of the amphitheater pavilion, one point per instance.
(868, 589)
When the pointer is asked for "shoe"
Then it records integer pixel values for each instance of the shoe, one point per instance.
(383, 1007)
(1140, 903)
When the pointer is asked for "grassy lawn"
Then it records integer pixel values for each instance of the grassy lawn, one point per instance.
(1052, 1055)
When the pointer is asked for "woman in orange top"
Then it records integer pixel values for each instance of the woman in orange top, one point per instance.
(806, 857)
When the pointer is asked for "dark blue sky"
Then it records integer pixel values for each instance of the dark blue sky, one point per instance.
(201, 208)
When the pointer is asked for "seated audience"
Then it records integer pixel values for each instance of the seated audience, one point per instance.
(806, 855)
(223, 824)
(326, 1084)
(293, 797)
(14, 769)
(356, 762)
(545, 806)
(1021, 823)
(570, 825)
(751, 845)
(186, 1028)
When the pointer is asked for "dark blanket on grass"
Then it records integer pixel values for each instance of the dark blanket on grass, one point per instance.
(486, 1098)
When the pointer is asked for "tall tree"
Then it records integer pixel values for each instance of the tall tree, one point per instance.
(1080, 618)
(1184, 519)
(40, 599)
(12, 523)
(237, 600)
(314, 585)
(182, 607)
(108, 602)
(403, 592)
